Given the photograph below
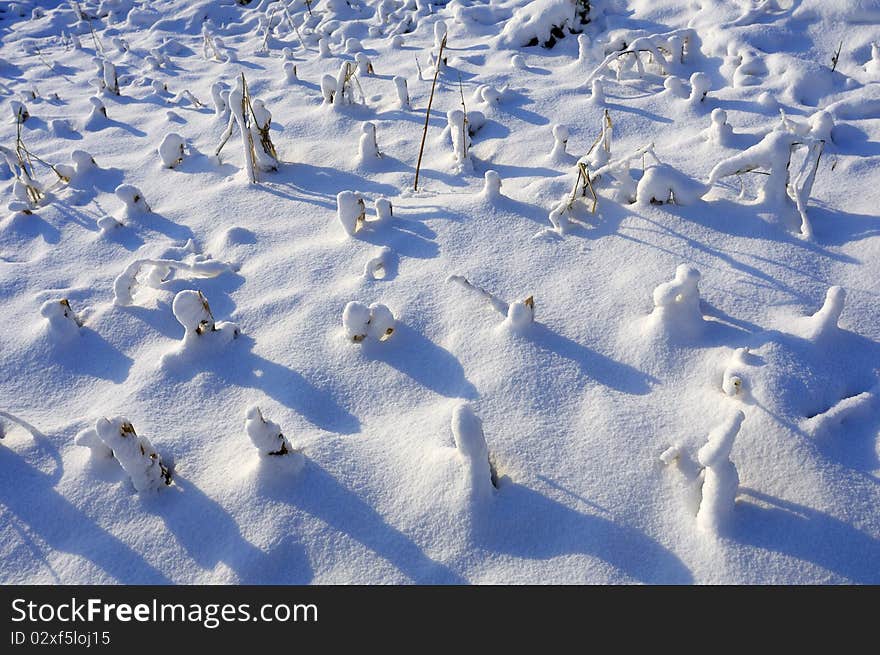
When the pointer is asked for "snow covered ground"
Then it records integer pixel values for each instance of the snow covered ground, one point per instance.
(678, 387)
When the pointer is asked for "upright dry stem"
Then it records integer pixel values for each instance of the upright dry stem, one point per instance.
(428, 112)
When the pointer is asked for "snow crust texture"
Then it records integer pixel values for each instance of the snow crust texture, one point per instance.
(657, 359)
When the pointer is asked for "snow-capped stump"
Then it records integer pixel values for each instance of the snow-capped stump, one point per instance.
(520, 315)
(60, 316)
(369, 146)
(109, 79)
(328, 88)
(721, 480)
(19, 111)
(324, 48)
(461, 140)
(97, 114)
(289, 69)
(83, 162)
(597, 93)
(750, 71)
(344, 91)
(364, 65)
(353, 45)
(351, 210)
(360, 321)
(490, 95)
(402, 92)
(137, 456)
(517, 62)
(674, 86)
(356, 320)
(661, 183)
(821, 123)
(266, 435)
(220, 96)
(700, 86)
(719, 130)
(133, 201)
(376, 267)
(382, 322)
(677, 303)
(825, 321)
(107, 225)
(470, 441)
(733, 381)
(384, 210)
(560, 143)
(192, 311)
(171, 150)
(491, 186)
(475, 121)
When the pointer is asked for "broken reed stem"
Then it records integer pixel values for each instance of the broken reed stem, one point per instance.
(464, 128)
(245, 105)
(428, 112)
(302, 44)
(836, 57)
(265, 45)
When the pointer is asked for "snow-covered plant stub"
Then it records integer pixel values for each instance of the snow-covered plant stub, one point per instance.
(376, 267)
(133, 200)
(491, 186)
(402, 92)
(360, 321)
(110, 80)
(97, 114)
(137, 456)
(266, 435)
(661, 183)
(560, 142)
(351, 210)
(461, 139)
(719, 130)
(192, 311)
(721, 480)
(677, 302)
(369, 146)
(470, 441)
(825, 321)
(733, 381)
(60, 316)
(19, 111)
(171, 150)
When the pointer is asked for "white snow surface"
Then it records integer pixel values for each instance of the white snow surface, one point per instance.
(577, 407)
